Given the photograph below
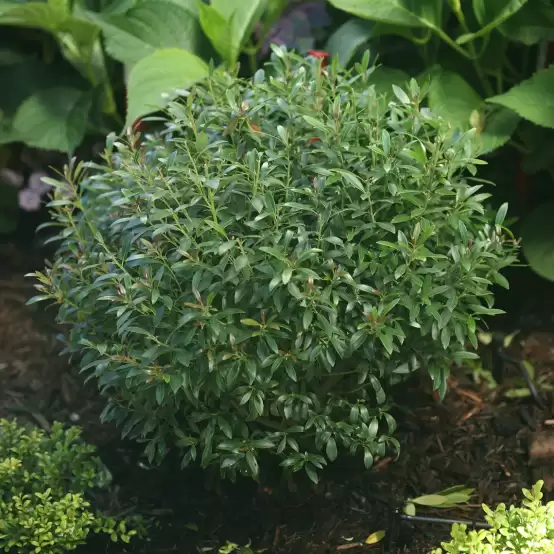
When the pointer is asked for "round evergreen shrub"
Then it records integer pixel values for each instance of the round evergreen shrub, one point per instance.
(251, 278)
(43, 482)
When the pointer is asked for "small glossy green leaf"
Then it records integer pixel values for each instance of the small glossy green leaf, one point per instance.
(250, 322)
(315, 123)
(252, 463)
(331, 449)
(286, 275)
(400, 94)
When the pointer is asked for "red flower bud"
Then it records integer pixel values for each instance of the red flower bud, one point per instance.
(320, 54)
(138, 127)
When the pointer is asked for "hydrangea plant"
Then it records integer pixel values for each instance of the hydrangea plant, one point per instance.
(251, 279)
(43, 482)
(528, 529)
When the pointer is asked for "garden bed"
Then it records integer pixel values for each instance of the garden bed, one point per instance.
(476, 438)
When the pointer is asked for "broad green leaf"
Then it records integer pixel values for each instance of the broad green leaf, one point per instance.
(532, 99)
(148, 27)
(190, 5)
(346, 40)
(242, 18)
(499, 126)
(420, 13)
(26, 77)
(383, 78)
(160, 74)
(79, 42)
(452, 98)
(490, 14)
(61, 7)
(53, 119)
(40, 15)
(537, 240)
(119, 6)
(534, 22)
(218, 30)
(77, 38)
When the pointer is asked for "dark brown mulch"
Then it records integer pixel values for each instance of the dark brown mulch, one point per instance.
(476, 437)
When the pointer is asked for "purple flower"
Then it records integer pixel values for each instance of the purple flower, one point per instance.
(295, 28)
(29, 200)
(36, 184)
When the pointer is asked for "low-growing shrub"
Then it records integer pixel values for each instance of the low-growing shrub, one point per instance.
(251, 278)
(528, 529)
(43, 482)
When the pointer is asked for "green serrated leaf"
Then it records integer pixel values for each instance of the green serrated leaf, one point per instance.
(348, 38)
(148, 27)
(161, 74)
(53, 119)
(452, 98)
(424, 13)
(531, 99)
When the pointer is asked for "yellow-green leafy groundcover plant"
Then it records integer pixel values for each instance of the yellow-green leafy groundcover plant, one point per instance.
(528, 529)
(251, 279)
(44, 478)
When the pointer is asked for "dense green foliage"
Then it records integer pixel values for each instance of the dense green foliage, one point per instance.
(43, 482)
(473, 53)
(528, 529)
(104, 64)
(489, 64)
(253, 277)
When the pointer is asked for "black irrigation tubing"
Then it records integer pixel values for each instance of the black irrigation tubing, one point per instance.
(396, 516)
(446, 520)
(393, 531)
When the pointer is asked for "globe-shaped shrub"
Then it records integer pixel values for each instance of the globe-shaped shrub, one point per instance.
(250, 279)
